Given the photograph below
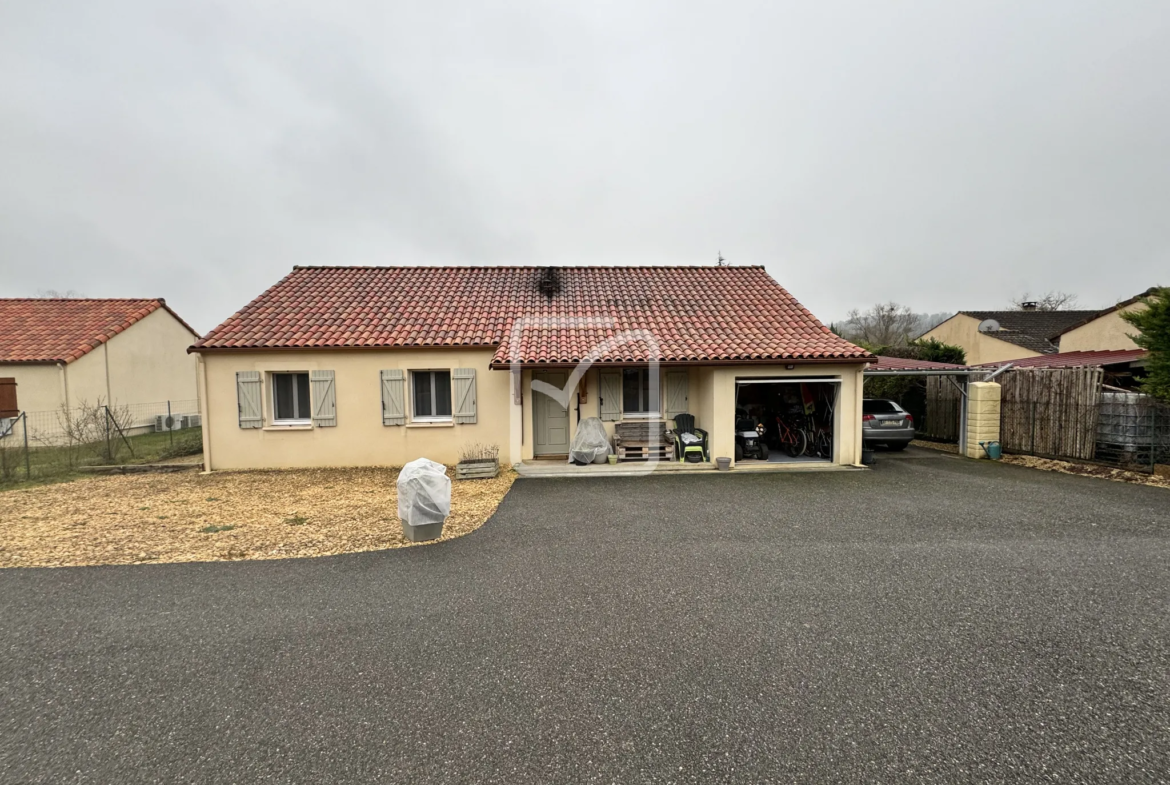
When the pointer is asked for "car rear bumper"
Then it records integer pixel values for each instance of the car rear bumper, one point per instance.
(887, 435)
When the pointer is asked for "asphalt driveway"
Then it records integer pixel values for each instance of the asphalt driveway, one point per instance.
(931, 620)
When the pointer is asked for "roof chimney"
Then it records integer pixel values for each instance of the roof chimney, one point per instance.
(549, 283)
(1030, 305)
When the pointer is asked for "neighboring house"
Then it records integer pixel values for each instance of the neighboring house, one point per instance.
(1020, 334)
(366, 366)
(1102, 330)
(63, 353)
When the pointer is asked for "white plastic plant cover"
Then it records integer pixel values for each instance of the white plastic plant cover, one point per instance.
(590, 442)
(424, 493)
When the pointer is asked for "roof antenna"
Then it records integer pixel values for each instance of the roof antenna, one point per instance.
(721, 262)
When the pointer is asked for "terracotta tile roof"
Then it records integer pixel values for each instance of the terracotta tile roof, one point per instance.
(52, 331)
(1075, 359)
(672, 314)
(1032, 330)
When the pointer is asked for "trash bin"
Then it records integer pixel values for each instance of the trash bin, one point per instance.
(424, 499)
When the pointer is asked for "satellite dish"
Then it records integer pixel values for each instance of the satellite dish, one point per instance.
(989, 326)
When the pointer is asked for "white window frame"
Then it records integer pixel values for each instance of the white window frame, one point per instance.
(296, 393)
(653, 414)
(414, 417)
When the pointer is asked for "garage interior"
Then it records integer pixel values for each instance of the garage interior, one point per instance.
(797, 415)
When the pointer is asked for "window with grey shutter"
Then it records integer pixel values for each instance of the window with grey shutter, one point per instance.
(248, 395)
(463, 379)
(676, 393)
(324, 398)
(611, 395)
(393, 397)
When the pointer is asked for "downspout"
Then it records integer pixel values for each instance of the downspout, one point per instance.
(64, 385)
(201, 379)
(106, 353)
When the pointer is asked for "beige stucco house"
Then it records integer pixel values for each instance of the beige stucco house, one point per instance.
(1018, 335)
(1103, 330)
(376, 366)
(1006, 335)
(69, 352)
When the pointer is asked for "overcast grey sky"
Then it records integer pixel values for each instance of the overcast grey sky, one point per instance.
(945, 155)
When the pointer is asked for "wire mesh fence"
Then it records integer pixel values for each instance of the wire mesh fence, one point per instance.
(1124, 429)
(44, 445)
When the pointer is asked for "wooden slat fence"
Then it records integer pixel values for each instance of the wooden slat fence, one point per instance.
(943, 403)
(1051, 412)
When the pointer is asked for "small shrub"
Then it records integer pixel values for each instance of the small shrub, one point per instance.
(213, 529)
(477, 451)
(296, 520)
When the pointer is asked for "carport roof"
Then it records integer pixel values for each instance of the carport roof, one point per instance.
(902, 366)
(1091, 359)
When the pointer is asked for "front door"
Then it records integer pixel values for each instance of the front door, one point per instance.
(550, 420)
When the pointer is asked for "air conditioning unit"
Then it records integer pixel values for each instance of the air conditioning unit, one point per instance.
(191, 421)
(167, 422)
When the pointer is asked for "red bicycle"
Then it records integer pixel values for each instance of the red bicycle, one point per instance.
(793, 441)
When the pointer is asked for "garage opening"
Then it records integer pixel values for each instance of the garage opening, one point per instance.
(786, 420)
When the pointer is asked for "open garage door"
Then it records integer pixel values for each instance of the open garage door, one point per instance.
(786, 419)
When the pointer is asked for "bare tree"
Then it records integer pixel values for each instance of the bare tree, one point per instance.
(885, 324)
(1052, 301)
(55, 294)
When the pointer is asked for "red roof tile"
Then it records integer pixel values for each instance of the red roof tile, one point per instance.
(52, 331)
(1074, 359)
(689, 314)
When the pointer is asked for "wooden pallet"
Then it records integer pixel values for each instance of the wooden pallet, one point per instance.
(642, 440)
(663, 452)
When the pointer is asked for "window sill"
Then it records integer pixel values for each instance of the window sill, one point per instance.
(431, 424)
(292, 426)
(641, 416)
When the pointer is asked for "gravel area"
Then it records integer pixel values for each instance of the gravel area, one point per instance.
(221, 516)
(1088, 470)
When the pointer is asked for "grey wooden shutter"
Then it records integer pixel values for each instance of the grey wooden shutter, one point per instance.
(676, 393)
(248, 387)
(324, 394)
(611, 395)
(463, 380)
(393, 397)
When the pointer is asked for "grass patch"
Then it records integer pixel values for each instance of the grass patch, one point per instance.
(213, 529)
(62, 464)
(296, 520)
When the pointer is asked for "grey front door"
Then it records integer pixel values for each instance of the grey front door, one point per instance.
(550, 420)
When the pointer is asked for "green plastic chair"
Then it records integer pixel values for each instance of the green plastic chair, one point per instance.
(685, 423)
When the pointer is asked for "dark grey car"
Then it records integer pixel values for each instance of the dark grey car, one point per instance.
(885, 422)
